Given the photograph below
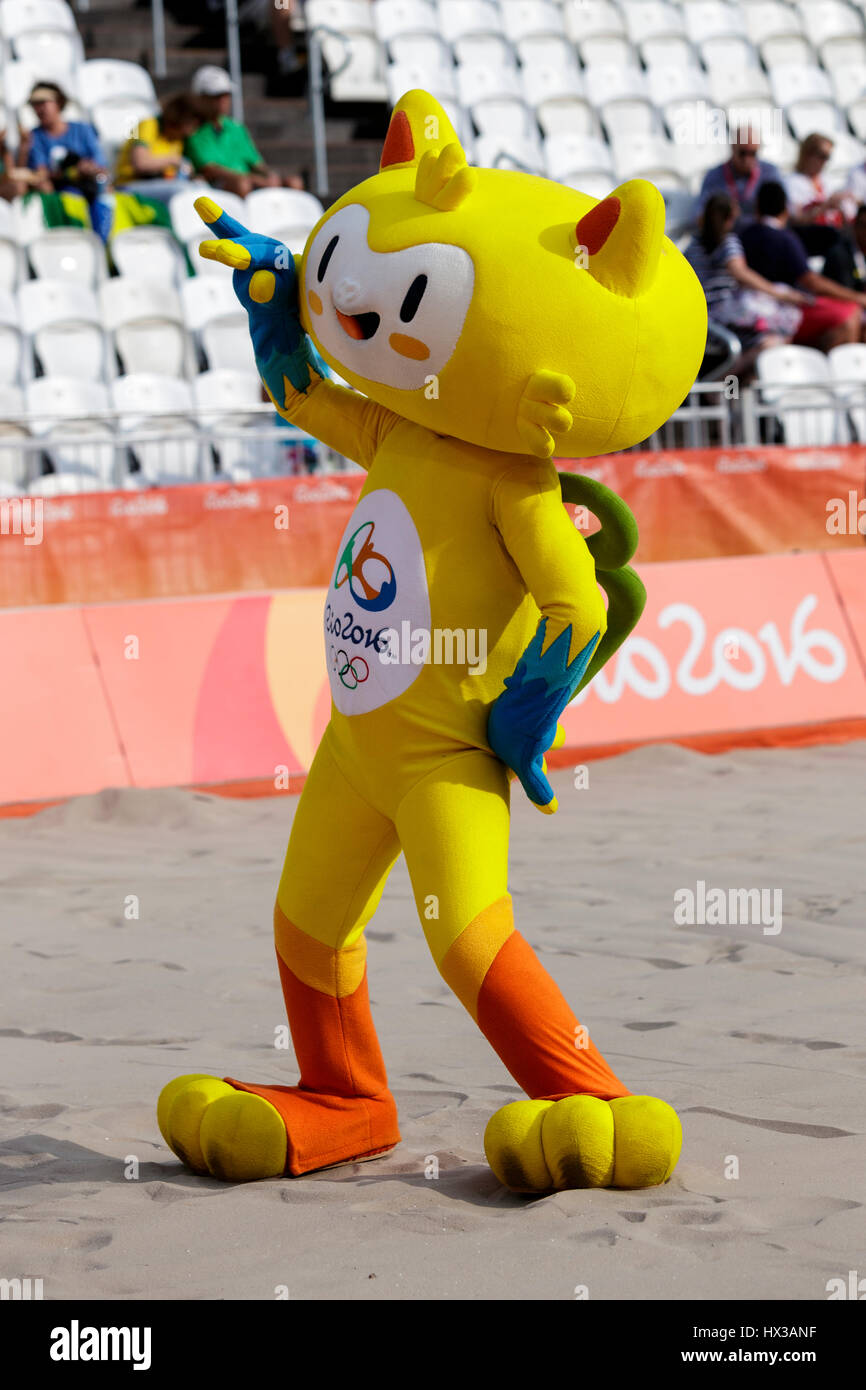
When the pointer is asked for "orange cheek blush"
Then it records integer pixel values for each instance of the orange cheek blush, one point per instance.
(315, 302)
(409, 347)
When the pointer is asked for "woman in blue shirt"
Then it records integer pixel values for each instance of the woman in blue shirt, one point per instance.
(67, 155)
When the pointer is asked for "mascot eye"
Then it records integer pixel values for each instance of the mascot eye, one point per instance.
(326, 258)
(414, 295)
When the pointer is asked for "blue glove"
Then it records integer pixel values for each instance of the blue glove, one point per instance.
(522, 722)
(266, 283)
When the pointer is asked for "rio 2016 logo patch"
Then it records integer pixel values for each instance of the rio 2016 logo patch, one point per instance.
(379, 581)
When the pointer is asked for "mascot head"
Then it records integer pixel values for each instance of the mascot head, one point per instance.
(458, 297)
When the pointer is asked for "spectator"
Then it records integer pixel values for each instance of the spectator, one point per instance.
(155, 150)
(740, 177)
(816, 216)
(846, 262)
(760, 313)
(222, 149)
(14, 181)
(67, 155)
(834, 316)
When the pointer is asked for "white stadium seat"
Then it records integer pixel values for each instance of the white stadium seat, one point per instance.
(116, 119)
(61, 408)
(288, 214)
(495, 99)
(558, 98)
(212, 312)
(733, 51)
(458, 18)
(668, 50)
(395, 18)
(830, 19)
(843, 53)
(222, 397)
(589, 19)
(68, 253)
(440, 82)
(513, 153)
(568, 157)
(848, 373)
(11, 341)
(621, 98)
(146, 323)
(149, 253)
(523, 19)
(62, 320)
(546, 51)
(10, 251)
(114, 79)
(652, 157)
(771, 19)
(19, 79)
(159, 406)
(353, 37)
(605, 50)
(13, 431)
(806, 96)
(647, 19)
(799, 386)
(42, 33)
(712, 19)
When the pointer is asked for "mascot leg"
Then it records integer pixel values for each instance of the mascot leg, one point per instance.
(581, 1127)
(339, 855)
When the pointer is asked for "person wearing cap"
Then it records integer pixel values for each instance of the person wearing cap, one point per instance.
(67, 155)
(222, 149)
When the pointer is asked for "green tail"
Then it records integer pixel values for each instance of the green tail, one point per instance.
(612, 547)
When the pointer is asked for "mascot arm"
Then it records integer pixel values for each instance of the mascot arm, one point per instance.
(559, 572)
(344, 420)
(265, 281)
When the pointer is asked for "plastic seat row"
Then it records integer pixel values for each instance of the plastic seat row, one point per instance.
(143, 253)
(541, 31)
(70, 330)
(170, 429)
(807, 388)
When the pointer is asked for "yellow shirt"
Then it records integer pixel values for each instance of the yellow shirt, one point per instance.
(148, 133)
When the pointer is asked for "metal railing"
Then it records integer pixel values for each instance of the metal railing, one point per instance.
(118, 450)
(123, 450)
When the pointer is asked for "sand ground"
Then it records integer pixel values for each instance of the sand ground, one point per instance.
(757, 1039)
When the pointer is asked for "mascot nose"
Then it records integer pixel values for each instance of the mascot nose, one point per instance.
(347, 294)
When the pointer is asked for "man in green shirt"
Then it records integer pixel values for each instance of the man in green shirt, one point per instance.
(222, 150)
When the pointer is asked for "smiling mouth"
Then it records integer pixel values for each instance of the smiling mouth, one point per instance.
(358, 326)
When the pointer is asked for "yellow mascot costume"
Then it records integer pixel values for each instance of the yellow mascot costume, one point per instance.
(486, 319)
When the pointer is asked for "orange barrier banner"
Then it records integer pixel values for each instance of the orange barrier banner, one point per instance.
(279, 533)
(695, 504)
(164, 542)
(232, 689)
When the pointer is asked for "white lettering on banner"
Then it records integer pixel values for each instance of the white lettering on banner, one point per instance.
(322, 492)
(153, 504)
(215, 501)
(800, 654)
(664, 468)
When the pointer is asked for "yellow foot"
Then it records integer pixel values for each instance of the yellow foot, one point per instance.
(215, 1129)
(548, 1146)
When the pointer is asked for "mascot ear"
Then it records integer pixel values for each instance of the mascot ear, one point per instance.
(622, 237)
(418, 125)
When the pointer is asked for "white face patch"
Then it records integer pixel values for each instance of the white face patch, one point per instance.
(393, 317)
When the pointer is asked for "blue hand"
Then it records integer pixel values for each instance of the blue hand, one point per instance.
(266, 283)
(522, 721)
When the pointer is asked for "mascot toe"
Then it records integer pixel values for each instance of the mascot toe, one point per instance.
(485, 320)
